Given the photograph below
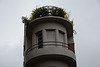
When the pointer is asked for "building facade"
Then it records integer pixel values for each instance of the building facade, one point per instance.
(48, 42)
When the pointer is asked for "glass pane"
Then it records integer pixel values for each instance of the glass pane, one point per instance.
(39, 39)
(51, 35)
(61, 36)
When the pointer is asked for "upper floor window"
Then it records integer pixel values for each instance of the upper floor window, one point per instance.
(39, 39)
(51, 35)
(61, 36)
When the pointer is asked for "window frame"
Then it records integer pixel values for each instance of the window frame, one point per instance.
(54, 33)
(61, 32)
(37, 39)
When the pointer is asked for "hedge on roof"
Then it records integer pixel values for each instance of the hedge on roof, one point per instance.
(46, 11)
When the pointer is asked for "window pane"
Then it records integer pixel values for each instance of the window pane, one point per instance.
(51, 35)
(39, 39)
(61, 36)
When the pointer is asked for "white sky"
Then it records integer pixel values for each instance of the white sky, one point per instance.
(86, 15)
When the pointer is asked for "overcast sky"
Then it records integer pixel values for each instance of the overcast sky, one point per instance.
(86, 16)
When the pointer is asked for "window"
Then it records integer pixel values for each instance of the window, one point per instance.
(39, 39)
(61, 36)
(51, 35)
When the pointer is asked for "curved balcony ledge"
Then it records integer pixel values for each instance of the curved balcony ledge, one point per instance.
(47, 44)
(49, 53)
(55, 19)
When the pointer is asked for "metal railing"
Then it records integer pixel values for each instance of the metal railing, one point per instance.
(48, 43)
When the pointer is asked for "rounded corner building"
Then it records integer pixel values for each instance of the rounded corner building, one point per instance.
(48, 42)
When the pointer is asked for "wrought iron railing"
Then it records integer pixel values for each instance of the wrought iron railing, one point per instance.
(48, 43)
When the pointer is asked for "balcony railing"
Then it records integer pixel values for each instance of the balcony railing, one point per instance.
(48, 43)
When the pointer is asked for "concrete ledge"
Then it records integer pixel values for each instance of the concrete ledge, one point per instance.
(59, 53)
(57, 19)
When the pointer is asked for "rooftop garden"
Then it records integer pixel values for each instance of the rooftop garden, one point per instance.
(47, 11)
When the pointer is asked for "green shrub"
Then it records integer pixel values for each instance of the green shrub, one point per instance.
(47, 11)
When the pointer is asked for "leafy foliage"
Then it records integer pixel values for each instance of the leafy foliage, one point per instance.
(47, 11)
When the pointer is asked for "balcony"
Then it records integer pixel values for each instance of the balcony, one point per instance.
(50, 50)
(47, 44)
